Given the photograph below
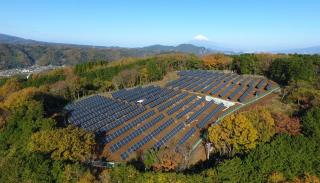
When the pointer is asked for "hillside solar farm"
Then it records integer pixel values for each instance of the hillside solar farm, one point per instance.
(131, 120)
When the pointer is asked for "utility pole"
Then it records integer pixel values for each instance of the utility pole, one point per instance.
(209, 148)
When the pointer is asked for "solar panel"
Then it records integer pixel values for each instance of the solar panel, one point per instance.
(172, 101)
(190, 108)
(235, 92)
(169, 135)
(215, 91)
(211, 86)
(223, 93)
(261, 84)
(268, 87)
(146, 139)
(245, 94)
(199, 112)
(204, 122)
(163, 99)
(123, 119)
(237, 80)
(252, 83)
(187, 83)
(136, 133)
(179, 106)
(127, 127)
(203, 85)
(187, 136)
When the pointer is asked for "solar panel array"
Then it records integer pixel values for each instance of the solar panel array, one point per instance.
(205, 121)
(228, 86)
(168, 136)
(146, 139)
(190, 108)
(187, 136)
(199, 112)
(136, 133)
(100, 114)
(152, 116)
(128, 126)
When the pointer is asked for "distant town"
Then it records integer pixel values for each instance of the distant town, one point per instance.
(27, 71)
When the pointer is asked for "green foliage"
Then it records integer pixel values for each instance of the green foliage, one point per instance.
(303, 94)
(45, 79)
(66, 172)
(149, 158)
(11, 85)
(17, 163)
(290, 155)
(15, 167)
(232, 170)
(153, 70)
(128, 174)
(294, 68)
(311, 123)
(247, 64)
(23, 121)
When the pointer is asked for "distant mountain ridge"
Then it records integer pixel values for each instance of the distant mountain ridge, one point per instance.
(8, 39)
(18, 52)
(309, 50)
(185, 48)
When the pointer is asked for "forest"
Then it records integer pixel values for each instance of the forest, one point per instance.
(276, 142)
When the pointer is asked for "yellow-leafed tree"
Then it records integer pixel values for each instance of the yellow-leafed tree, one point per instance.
(263, 121)
(234, 134)
(69, 143)
(217, 61)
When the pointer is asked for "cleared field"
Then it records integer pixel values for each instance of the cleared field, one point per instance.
(130, 121)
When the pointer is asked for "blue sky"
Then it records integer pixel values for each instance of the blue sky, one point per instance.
(245, 24)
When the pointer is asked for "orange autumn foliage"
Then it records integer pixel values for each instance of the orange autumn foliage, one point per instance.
(285, 124)
(217, 61)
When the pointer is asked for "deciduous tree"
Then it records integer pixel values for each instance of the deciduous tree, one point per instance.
(262, 121)
(217, 61)
(69, 143)
(234, 134)
(285, 124)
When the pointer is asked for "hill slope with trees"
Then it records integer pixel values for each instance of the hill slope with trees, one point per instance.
(277, 142)
(17, 52)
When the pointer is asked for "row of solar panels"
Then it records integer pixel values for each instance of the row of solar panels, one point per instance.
(83, 102)
(218, 75)
(221, 84)
(154, 133)
(145, 96)
(199, 73)
(136, 133)
(101, 114)
(182, 104)
(124, 141)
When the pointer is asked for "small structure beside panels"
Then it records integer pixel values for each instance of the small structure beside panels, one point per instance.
(132, 120)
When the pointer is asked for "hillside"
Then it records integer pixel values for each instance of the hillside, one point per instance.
(17, 52)
(275, 139)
